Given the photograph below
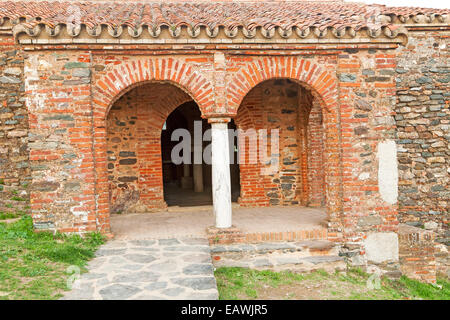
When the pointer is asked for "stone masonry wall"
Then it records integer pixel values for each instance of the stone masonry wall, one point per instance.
(367, 96)
(14, 160)
(58, 92)
(423, 122)
(316, 173)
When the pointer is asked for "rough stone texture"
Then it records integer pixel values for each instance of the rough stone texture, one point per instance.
(423, 120)
(148, 270)
(14, 156)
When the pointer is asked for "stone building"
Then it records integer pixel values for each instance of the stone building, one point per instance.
(359, 94)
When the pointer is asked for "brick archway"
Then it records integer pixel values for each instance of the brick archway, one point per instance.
(125, 77)
(114, 84)
(323, 86)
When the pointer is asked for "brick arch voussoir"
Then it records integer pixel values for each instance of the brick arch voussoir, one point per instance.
(310, 75)
(125, 77)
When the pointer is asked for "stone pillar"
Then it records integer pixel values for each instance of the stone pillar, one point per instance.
(186, 181)
(198, 177)
(197, 166)
(221, 182)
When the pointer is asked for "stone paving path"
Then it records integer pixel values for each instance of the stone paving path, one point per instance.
(149, 270)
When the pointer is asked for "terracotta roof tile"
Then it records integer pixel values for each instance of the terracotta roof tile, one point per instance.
(200, 13)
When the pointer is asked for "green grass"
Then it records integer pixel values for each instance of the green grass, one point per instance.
(17, 198)
(242, 283)
(234, 282)
(33, 265)
(8, 215)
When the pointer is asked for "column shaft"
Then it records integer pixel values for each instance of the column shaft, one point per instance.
(221, 182)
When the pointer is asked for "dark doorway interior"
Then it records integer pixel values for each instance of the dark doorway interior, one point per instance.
(184, 185)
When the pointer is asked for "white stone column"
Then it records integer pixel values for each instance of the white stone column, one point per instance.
(221, 183)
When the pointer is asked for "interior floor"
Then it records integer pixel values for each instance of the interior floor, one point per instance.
(174, 195)
(191, 222)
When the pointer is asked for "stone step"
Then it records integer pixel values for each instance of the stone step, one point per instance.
(294, 256)
(232, 235)
(318, 246)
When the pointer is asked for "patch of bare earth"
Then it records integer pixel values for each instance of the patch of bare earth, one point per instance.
(310, 290)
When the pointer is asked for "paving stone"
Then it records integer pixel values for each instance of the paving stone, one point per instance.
(137, 277)
(110, 252)
(195, 241)
(197, 269)
(163, 267)
(117, 260)
(156, 286)
(140, 258)
(143, 243)
(200, 283)
(188, 248)
(92, 275)
(118, 292)
(132, 266)
(170, 254)
(146, 296)
(143, 249)
(173, 292)
(168, 242)
(200, 258)
(207, 296)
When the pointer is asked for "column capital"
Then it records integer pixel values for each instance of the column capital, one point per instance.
(219, 120)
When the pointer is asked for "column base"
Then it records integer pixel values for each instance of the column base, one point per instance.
(224, 235)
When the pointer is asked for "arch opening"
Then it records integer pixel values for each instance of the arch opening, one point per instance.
(142, 174)
(290, 168)
(133, 146)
